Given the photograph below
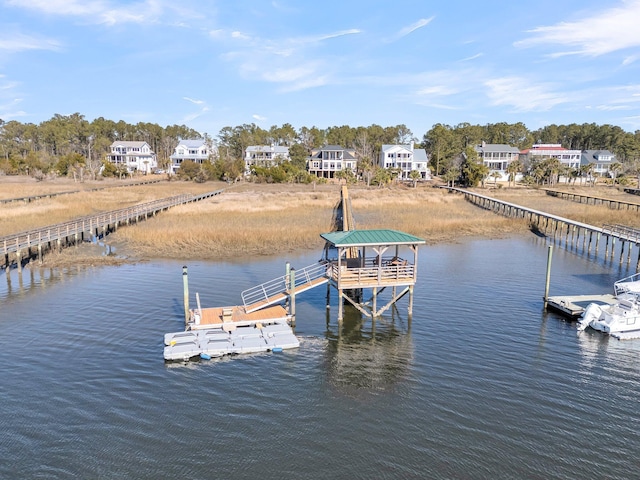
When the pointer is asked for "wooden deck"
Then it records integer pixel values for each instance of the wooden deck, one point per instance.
(368, 277)
(236, 316)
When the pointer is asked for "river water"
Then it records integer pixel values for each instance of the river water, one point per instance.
(480, 383)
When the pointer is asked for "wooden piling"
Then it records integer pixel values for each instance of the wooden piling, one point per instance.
(292, 295)
(548, 278)
(185, 288)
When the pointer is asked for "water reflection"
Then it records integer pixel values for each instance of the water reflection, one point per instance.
(368, 354)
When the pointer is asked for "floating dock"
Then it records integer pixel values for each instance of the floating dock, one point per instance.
(229, 339)
(575, 305)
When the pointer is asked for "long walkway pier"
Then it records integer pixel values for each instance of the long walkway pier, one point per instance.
(40, 196)
(560, 228)
(593, 200)
(33, 243)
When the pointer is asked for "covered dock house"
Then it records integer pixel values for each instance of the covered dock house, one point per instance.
(358, 260)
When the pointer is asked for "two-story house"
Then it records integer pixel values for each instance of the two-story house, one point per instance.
(264, 156)
(497, 157)
(570, 158)
(135, 156)
(326, 161)
(601, 159)
(195, 150)
(405, 158)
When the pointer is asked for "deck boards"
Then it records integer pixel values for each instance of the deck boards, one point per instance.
(213, 315)
(574, 305)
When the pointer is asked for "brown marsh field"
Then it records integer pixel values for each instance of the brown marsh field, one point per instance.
(259, 219)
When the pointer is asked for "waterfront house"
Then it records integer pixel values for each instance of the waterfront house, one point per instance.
(601, 160)
(570, 158)
(264, 156)
(405, 158)
(134, 156)
(325, 162)
(195, 150)
(497, 157)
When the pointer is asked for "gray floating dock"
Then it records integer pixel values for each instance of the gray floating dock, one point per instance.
(575, 305)
(222, 340)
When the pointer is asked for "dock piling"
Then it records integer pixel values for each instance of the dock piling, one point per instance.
(546, 286)
(185, 287)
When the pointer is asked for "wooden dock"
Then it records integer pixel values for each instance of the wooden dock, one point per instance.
(235, 316)
(559, 228)
(33, 243)
(593, 200)
(575, 305)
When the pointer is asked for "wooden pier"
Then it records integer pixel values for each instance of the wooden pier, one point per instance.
(593, 200)
(559, 228)
(22, 246)
(33, 198)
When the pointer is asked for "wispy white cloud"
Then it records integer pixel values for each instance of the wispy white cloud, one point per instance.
(473, 57)
(260, 118)
(414, 26)
(18, 42)
(197, 102)
(96, 11)
(287, 62)
(604, 32)
(193, 116)
(523, 95)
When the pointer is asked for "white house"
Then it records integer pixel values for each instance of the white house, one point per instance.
(326, 161)
(497, 157)
(135, 156)
(571, 158)
(406, 159)
(602, 160)
(264, 156)
(196, 150)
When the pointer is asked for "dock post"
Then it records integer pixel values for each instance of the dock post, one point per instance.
(328, 295)
(546, 285)
(292, 295)
(185, 288)
(410, 312)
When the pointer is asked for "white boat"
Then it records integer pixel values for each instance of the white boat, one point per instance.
(620, 317)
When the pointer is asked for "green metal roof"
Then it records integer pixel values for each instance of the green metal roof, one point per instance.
(355, 238)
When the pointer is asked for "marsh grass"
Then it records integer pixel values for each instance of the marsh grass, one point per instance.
(264, 222)
(19, 216)
(261, 219)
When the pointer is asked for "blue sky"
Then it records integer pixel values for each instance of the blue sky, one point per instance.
(210, 64)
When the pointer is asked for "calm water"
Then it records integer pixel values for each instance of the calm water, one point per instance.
(479, 384)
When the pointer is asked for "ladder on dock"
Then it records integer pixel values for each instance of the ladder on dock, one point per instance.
(277, 290)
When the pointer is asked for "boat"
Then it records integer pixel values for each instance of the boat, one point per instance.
(619, 318)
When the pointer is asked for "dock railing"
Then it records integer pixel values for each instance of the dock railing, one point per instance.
(274, 290)
(23, 241)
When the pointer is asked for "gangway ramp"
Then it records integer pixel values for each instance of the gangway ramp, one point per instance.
(277, 290)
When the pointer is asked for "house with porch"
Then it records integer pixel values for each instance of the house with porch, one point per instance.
(134, 156)
(600, 159)
(325, 162)
(406, 159)
(497, 157)
(195, 150)
(570, 158)
(264, 156)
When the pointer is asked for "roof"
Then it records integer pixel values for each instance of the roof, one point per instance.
(386, 148)
(192, 143)
(127, 143)
(496, 147)
(420, 155)
(354, 238)
(268, 148)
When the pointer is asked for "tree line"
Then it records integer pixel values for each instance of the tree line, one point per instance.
(65, 143)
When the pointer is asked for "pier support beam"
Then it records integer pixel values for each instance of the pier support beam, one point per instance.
(185, 288)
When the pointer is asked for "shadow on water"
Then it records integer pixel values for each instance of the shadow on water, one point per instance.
(368, 355)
